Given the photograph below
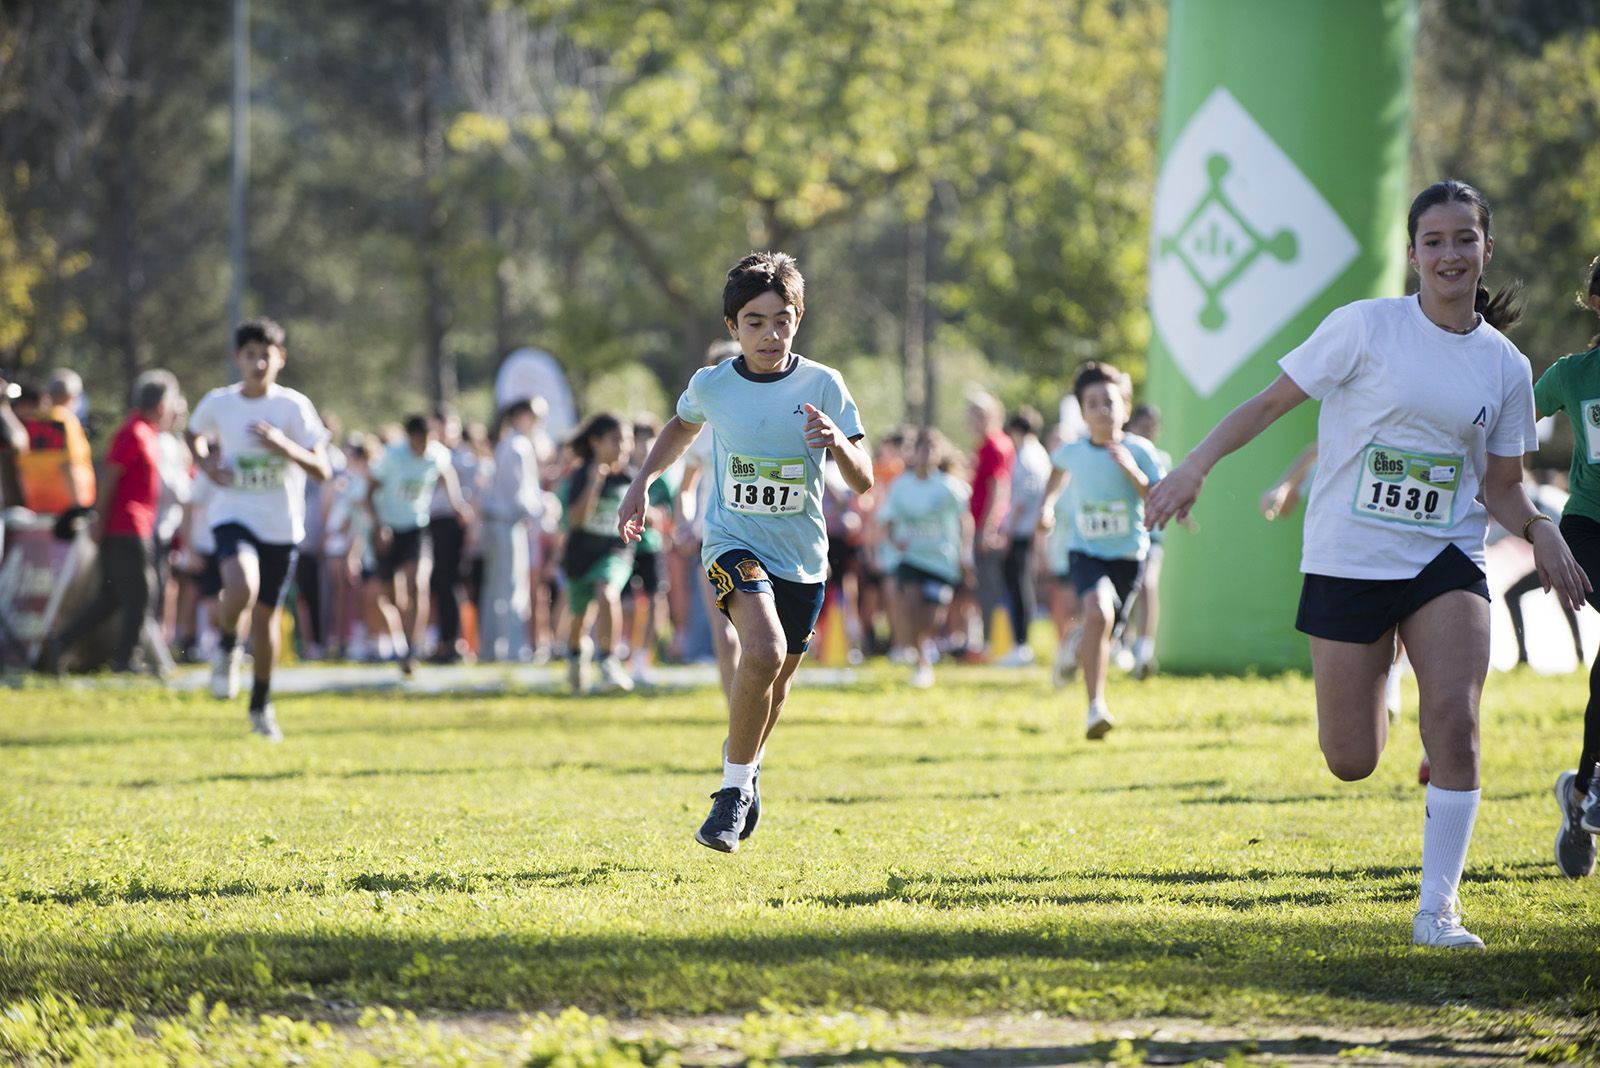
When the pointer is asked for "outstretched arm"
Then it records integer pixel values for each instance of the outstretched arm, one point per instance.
(673, 442)
(1506, 497)
(1174, 495)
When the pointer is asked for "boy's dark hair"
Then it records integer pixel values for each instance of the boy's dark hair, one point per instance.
(415, 425)
(1025, 420)
(259, 329)
(1504, 309)
(516, 408)
(762, 272)
(1094, 373)
(596, 426)
(646, 426)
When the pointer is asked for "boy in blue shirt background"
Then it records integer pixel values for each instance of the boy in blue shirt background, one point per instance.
(1101, 481)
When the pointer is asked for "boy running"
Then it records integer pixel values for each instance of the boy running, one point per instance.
(1106, 476)
(399, 493)
(257, 441)
(775, 418)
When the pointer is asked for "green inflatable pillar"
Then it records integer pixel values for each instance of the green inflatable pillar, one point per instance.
(1282, 195)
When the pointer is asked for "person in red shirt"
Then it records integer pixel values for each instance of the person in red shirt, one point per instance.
(991, 502)
(124, 524)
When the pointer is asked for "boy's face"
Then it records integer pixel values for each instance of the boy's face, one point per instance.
(259, 363)
(1103, 408)
(765, 331)
(419, 442)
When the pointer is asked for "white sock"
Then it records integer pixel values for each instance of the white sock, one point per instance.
(1144, 649)
(1098, 706)
(1446, 833)
(742, 776)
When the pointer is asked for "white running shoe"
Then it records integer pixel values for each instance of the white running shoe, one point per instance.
(1122, 658)
(1442, 930)
(613, 677)
(1391, 693)
(1019, 656)
(922, 676)
(226, 670)
(1099, 724)
(265, 723)
(1065, 668)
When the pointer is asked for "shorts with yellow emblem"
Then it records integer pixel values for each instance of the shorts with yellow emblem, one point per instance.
(798, 603)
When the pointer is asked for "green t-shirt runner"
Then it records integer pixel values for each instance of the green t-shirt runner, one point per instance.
(1572, 385)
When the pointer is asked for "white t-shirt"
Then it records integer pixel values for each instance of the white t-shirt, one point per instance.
(1409, 413)
(268, 495)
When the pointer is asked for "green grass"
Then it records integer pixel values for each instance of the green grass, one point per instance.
(954, 853)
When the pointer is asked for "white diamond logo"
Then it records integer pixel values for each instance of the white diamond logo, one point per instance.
(1240, 243)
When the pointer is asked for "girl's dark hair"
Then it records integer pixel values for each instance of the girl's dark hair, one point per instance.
(1588, 294)
(1502, 310)
(758, 273)
(1093, 373)
(596, 426)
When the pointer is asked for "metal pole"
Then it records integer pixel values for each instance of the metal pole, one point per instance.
(241, 165)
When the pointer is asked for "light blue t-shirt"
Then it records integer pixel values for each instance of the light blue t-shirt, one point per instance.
(925, 514)
(766, 483)
(1099, 512)
(407, 482)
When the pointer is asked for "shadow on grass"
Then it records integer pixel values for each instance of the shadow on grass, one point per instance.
(1157, 1051)
(136, 891)
(549, 767)
(1258, 963)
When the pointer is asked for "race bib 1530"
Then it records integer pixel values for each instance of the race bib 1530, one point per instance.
(1414, 488)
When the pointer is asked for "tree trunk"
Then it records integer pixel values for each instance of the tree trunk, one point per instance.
(122, 256)
(441, 365)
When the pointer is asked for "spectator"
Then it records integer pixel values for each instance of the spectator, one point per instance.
(56, 474)
(65, 388)
(448, 533)
(1031, 472)
(514, 500)
(125, 527)
(991, 489)
(13, 443)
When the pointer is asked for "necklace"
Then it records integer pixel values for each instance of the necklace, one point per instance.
(1476, 319)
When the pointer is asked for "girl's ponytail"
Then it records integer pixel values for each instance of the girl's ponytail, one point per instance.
(1503, 310)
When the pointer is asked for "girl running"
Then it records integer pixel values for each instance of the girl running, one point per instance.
(926, 519)
(1426, 408)
(1572, 385)
(596, 561)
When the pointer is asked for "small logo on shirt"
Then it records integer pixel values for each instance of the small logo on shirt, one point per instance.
(799, 409)
(1483, 417)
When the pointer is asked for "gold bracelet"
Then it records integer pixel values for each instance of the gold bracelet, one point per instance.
(1532, 519)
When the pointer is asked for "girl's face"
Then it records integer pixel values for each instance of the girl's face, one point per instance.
(1450, 251)
(1103, 408)
(608, 448)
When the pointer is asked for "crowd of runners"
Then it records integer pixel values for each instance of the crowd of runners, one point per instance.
(764, 482)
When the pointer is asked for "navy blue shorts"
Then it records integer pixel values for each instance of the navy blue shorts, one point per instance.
(276, 562)
(1085, 572)
(934, 590)
(1363, 610)
(405, 547)
(798, 603)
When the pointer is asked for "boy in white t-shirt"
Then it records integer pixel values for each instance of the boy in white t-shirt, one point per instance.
(1426, 412)
(257, 441)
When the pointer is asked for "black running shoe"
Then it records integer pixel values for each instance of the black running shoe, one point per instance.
(1574, 845)
(752, 817)
(720, 831)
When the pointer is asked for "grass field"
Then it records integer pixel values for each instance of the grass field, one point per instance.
(936, 873)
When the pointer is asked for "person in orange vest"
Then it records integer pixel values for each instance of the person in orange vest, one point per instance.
(56, 474)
